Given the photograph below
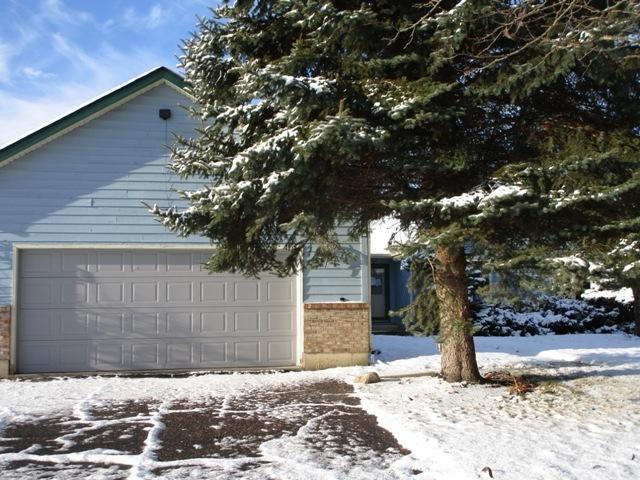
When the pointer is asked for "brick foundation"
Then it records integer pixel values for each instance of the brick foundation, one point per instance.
(336, 335)
(5, 340)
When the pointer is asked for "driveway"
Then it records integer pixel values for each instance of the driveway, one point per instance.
(313, 429)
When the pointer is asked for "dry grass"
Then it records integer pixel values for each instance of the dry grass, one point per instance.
(517, 384)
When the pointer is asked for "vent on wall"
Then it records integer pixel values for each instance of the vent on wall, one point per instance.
(164, 113)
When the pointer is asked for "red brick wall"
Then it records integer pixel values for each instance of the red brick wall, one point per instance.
(5, 331)
(340, 327)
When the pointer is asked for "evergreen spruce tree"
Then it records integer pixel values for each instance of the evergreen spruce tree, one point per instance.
(619, 267)
(505, 124)
(611, 263)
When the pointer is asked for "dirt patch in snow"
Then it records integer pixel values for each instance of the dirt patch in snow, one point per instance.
(35, 435)
(322, 420)
(237, 427)
(121, 410)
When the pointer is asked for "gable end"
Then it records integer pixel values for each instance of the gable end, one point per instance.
(94, 109)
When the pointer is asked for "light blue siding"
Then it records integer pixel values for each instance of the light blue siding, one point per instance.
(87, 187)
(345, 281)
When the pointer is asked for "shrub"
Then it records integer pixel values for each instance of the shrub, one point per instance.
(550, 315)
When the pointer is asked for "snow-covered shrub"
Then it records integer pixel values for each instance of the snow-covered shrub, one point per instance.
(549, 315)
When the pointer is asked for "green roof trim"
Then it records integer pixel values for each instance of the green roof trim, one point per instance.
(160, 73)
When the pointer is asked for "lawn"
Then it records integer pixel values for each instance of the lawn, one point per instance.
(582, 419)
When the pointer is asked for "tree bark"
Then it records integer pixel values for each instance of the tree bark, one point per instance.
(458, 351)
(636, 308)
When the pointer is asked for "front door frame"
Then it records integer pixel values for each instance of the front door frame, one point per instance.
(387, 295)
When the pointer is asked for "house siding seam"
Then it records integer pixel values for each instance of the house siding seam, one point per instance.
(336, 334)
(5, 339)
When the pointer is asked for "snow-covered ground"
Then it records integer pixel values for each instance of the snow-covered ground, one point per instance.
(582, 422)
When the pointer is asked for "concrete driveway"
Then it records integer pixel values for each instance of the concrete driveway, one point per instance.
(315, 429)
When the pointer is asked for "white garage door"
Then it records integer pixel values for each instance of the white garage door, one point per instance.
(106, 310)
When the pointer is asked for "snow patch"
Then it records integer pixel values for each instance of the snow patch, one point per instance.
(623, 295)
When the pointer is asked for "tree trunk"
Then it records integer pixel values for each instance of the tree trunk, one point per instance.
(458, 351)
(636, 308)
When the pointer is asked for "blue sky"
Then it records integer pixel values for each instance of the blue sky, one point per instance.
(58, 54)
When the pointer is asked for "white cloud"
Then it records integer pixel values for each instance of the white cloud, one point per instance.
(74, 54)
(30, 30)
(35, 74)
(154, 18)
(58, 12)
(105, 66)
(107, 25)
(27, 114)
(92, 75)
(157, 16)
(32, 73)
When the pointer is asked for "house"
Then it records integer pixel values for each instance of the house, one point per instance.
(389, 291)
(90, 281)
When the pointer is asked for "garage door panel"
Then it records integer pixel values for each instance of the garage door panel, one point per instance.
(109, 356)
(179, 292)
(111, 324)
(212, 353)
(38, 324)
(149, 355)
(145, 262)
(146, 355)
(145, 292)
(109, 293)
(72, 293)
(280, 322)
(246, 291)
(72, 325)
(74, 356)
(111, 262)
(213, 323)
(213, 292)
(246, 322)
(180, 262)
(102, 324)
(37, 292)
(279, 291)
(145, 324)
(279, 351)
(114, 292)
(179, 324)
(37, 357)
(37, 263)
(72, 263)
(107, 310)
(247, 352)
(179, 355)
